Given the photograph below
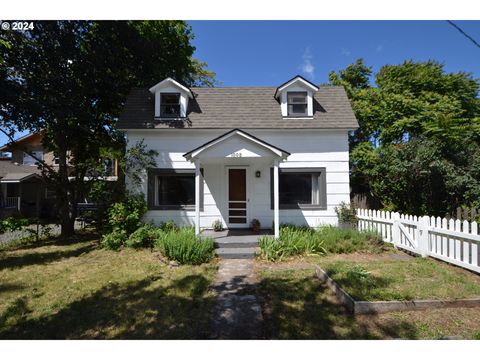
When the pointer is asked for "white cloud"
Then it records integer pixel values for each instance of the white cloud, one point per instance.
(307, 67)
(346, 52)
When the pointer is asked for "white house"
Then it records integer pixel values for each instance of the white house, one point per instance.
(279, 155)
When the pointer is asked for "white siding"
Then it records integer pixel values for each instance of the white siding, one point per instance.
(308, 148)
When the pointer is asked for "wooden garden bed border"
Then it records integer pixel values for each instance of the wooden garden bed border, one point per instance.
(378, 307)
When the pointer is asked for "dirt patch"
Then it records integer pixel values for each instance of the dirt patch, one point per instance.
(361, 257)
(290, 264)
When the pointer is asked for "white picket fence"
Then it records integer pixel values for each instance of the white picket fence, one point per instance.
(451, 240)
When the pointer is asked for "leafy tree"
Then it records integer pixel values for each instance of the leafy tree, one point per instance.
(70, 79)
(417, 147)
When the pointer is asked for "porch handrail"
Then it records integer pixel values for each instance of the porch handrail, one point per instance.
(12, 202)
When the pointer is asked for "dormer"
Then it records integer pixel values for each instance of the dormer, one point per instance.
(171, 99)
(296, 97)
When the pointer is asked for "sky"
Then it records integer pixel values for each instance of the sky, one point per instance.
(268, 53)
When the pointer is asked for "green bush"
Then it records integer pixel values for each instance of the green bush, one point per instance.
(127, 215)
(185, 247)
(168, 226)
(303, 240)
(12, 224)
(114, 240)
(292, 241)
(347, 214)
(345, 241)
(143, 237)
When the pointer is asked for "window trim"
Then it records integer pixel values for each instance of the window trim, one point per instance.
(153, 173)
(322, 188)
(304, 114)
(162, 115)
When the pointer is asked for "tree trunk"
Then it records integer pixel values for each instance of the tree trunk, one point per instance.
(66, 197)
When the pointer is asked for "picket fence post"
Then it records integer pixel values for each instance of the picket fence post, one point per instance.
(423, 227)
(395, 228)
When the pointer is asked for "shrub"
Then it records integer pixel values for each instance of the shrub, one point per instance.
(217, 225)
(185, 247)
(168, 226)
(114, 240)
(143, 237)
(344, 241)
(292, 241)
(127, 215)
(302, 240)
(12, 224)
(346, 214)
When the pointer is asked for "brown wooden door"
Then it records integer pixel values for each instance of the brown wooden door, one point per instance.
(237, 196)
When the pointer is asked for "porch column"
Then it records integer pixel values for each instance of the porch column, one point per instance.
(19, 204)
(197, 197)
(276, 215)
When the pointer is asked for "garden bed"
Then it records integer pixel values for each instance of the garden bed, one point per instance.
(377, 284)
(296, 305)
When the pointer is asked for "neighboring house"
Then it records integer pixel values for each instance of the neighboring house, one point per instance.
(22, 188)
(279, 155)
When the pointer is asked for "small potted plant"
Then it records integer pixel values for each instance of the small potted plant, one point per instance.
(255, 224)
(217, 225)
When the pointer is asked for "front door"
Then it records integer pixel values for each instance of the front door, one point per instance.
(237, 197)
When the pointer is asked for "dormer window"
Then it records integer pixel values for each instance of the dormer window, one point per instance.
(171, 99)
(297, 103)
(170, 104)
(296, 98)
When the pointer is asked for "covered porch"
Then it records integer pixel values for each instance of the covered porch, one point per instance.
(241, 189)
(21, 193)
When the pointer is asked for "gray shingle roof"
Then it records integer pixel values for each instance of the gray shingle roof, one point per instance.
(240, 107)
(7, 167)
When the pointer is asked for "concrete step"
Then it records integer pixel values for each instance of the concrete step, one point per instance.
(235, 243)
(237, 253)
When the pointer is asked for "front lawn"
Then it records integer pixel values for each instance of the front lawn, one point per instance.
(76, 290)
(377, 278)
(297, 306)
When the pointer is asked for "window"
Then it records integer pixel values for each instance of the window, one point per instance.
(301, 188)
(172, 189)
(29, 160)
(56, 159)
(175, 189)
(50, 193)
(170, 105)
(297, 103)
(108, 167)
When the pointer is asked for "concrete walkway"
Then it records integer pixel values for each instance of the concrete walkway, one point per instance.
(237, 313)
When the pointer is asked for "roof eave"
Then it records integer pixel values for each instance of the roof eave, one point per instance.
(154, 88)
(304, 81)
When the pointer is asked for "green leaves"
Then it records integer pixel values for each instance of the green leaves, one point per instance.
(417, 148)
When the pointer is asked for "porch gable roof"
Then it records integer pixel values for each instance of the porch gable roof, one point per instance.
(274, 149)
(18, 177)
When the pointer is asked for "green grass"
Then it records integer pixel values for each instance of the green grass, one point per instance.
(297, 306)
(304, 241)
(77, 290)
(391, 279)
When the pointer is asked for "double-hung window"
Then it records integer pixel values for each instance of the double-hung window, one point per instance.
(30, 160)
(169, 104)
(297, 103)
(301, 188)
(172, 189)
